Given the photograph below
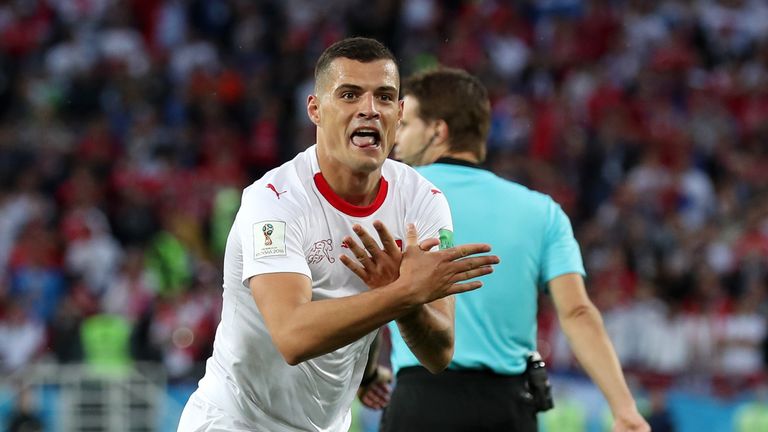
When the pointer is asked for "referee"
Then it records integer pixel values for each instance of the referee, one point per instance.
(492, 383)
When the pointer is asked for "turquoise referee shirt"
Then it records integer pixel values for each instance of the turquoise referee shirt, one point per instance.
(496, 324)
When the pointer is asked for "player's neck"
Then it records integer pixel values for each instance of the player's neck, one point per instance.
(356, 188)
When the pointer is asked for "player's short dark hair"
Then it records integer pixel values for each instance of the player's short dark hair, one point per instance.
(361, 49)
(459, 99)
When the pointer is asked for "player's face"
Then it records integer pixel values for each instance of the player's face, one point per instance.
(413, 135)
(356, 110)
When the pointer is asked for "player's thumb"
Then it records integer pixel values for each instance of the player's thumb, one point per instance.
(428, 244)
(411, 237)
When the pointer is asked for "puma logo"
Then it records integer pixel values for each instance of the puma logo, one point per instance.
(271, 186)
(435, 192)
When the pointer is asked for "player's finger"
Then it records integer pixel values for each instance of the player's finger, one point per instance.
(474, 262)
(373, 402)
(381, 391)
(465, 275)
(379, 403)
(368, 401)
(378, 395)
(360, 254)
(464, 250)
(386, 238)
(428, 244)
(370, 404)
(356, 268)
(368, 395)
(370, 244)
(464, 287)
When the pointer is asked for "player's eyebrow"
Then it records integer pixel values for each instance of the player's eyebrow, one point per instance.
(387, 89)
(357, 88)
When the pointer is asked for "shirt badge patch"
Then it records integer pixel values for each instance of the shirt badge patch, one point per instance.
(268, 238)
(320, 250)
(446, 238)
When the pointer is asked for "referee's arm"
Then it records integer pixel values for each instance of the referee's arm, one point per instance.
(583, 325)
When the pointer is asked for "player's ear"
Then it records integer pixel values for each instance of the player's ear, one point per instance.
(313, 109)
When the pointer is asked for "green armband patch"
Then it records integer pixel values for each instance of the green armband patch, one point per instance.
(446, 238)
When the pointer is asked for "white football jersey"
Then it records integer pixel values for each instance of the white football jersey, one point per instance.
(291, 221)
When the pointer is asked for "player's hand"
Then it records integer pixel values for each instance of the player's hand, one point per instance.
(434, 275)
(377, 267)
(631, 422)
(376, 394)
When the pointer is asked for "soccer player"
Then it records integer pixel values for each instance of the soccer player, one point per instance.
(296, 324)
(489, 384)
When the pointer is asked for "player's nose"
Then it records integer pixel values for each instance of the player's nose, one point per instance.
(367, 107)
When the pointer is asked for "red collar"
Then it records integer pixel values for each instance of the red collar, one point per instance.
(351, 210)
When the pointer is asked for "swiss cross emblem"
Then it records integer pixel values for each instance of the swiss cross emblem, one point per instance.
(320, 251)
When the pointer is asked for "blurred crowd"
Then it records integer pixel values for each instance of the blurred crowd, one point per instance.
(129, 127)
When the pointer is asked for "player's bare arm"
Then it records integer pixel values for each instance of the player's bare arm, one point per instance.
(300, 327)
(429, 328)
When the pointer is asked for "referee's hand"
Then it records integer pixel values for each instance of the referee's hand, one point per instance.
(632, 422)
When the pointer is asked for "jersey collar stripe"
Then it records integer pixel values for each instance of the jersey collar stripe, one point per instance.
(349, 209)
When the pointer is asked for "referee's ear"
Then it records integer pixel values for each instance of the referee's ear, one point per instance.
(442, 133)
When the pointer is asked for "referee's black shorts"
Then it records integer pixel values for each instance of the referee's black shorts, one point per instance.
(459, 401)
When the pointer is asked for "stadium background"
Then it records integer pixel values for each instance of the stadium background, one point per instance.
(128, 128)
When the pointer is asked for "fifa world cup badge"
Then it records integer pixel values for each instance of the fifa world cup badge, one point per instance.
(268, 238)
(268, 229)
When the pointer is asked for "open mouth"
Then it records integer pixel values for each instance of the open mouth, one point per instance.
(366, 138)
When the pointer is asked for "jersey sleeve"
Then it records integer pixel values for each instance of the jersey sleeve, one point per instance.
(433, 216)
(561, 254)
(272, 236)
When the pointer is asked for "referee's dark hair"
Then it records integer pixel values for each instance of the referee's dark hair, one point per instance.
(361, 49)
(459, 99)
